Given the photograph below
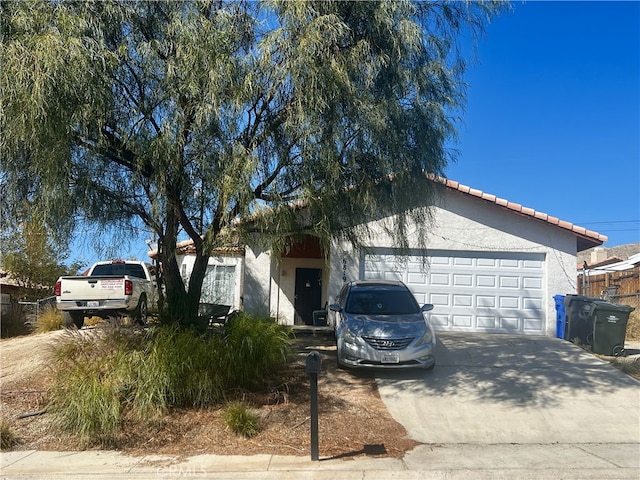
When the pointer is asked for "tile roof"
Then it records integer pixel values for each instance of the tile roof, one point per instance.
(586, 238)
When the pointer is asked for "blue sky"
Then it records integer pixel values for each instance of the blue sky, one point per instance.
(552, 119)
(553, 114)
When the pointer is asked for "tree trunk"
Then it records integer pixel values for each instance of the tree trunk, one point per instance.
(182, 303)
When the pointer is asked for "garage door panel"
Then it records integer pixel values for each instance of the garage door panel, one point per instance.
(462, 280)
(509, 263)
(473, 291)
(439, 299)
(487, 262)
(509, 302)
(533, 264)
(462, 321)
(462, 262)
(486, 301)
(417, 278)
(486, 281)
(440, 279)
(510, 324)
(534, 304)
(462, 300)
(439, 260)
(532, 283)
(532, 325)
(486, 322)
(393, 276)
(440, 321)
(509, 282)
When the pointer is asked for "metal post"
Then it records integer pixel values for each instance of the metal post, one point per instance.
(313, 368)
(314, 417)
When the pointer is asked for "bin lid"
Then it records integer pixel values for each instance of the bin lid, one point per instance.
(568, 299)
(602, 305)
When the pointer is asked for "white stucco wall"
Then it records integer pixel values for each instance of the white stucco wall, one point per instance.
(270, 285)
(464, 223)
(282, 305)
(258, 281)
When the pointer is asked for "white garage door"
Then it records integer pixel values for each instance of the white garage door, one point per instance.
(471, 292)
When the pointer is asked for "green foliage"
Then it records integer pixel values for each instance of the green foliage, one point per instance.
(49, 319)
(33, 259)
(113, 374)
(8, 437)
(241, 420)
(253, 349)
(178, 117)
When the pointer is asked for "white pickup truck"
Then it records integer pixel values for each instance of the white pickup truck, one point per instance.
(113, 289)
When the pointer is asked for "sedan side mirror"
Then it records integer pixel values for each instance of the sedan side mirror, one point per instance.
(427, 307)
(334, 307)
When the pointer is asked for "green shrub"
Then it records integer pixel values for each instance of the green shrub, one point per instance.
(240, 420)
(49, 320)
(107, 375)
(7, 436)
(176, 368)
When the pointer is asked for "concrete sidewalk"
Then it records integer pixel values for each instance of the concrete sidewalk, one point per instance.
(451, 462)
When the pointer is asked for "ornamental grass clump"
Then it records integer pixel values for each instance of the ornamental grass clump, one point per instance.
(108, 376)
(49, 320)
(252, 350)
(240, 420)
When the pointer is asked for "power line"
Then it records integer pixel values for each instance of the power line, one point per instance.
(612, 222)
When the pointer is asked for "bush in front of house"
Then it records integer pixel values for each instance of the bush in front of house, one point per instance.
(49, 320)
(112, 375)
(252, 350)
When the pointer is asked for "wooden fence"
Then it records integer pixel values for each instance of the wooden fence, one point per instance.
(617, 287)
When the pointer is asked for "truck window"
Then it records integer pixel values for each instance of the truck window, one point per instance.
(118, 270)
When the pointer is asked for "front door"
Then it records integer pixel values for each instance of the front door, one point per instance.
(308, 294)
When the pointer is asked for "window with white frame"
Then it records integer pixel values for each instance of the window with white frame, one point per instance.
(219, 285)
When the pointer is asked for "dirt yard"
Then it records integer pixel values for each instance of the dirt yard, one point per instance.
(353, 420)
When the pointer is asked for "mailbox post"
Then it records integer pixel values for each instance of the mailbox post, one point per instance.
(313, 369)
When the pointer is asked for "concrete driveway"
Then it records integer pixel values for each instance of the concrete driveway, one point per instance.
(503, 389)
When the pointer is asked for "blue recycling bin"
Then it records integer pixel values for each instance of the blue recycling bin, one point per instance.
(561, 318)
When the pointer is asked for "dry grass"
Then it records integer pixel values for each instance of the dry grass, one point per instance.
(49, 320)
(8, 437)
(633, 326)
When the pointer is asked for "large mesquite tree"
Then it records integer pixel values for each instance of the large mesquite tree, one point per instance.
(187, 118)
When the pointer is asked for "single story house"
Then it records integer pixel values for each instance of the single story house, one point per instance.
(491, 266)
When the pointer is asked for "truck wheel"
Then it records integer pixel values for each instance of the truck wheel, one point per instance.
(141, 312)
(73, 319)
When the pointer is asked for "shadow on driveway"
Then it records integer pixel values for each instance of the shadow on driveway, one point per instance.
(506, 388)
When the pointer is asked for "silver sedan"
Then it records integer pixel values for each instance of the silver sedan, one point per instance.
(380, 324)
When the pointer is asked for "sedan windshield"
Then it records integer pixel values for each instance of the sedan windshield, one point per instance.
(381, 302)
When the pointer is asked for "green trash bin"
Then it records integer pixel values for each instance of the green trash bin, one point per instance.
(609, 327)
(578, 323)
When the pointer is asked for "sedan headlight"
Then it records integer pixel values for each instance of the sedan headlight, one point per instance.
(349, 337)
(428, 337)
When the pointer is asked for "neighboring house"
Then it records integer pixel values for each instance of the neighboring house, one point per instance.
(491, 266)
(611, 277)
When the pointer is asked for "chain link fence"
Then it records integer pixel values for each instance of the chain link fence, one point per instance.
(21, 318)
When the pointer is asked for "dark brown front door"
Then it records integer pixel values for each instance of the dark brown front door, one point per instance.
(308, 294)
